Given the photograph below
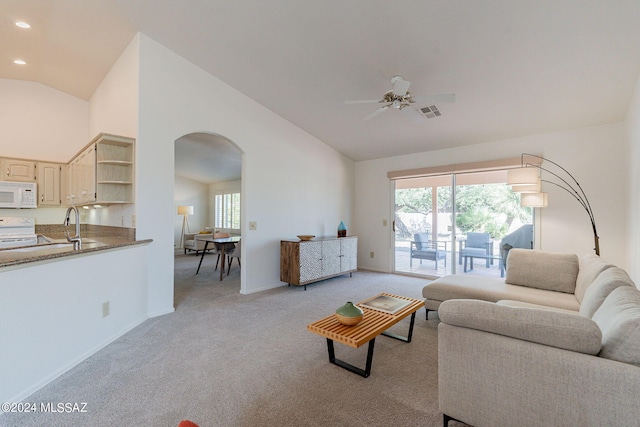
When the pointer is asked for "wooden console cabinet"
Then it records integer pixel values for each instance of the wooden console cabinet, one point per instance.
(304, 262)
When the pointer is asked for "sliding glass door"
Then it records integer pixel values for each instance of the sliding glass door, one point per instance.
(458, 224)
(423, 225)
(488, 216)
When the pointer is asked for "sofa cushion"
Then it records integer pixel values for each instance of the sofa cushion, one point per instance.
(521, 304)
(552, 328)
(619, 319)
(591, 265)
(601, 287)
(542, 270)
(491, 289)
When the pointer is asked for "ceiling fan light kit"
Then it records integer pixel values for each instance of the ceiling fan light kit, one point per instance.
(400, 98)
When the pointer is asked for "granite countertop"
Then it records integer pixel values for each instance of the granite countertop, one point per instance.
(53, 244)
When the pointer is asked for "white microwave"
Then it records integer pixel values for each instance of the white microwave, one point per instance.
(18, 195)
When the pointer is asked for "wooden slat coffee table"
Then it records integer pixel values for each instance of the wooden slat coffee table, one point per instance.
(374, 323)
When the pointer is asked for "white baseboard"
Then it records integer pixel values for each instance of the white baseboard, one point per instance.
(72, 363)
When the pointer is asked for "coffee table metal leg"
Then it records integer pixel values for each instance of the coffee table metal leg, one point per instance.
(349, 367)
(400, 337)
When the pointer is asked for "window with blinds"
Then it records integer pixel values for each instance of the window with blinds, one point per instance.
(227, 210)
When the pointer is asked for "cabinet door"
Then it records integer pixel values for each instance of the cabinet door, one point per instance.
(310, 261)
(71, 183)
(49, 184)
(349, 254)
(18, 170)
(330, 257)
(87, 177)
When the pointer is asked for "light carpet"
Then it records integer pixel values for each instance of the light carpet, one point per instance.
(226, 359)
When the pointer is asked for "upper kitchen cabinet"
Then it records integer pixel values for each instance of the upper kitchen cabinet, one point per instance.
(18, 170)
(81, 171)
(103, 173)
(114, 168)
(49, 184)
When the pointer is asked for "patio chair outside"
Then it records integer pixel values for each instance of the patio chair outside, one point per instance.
(423, 248)
(476, 245)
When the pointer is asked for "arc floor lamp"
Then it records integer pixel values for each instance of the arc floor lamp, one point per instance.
(527, 181)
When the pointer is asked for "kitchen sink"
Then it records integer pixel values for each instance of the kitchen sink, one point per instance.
(42, 247)
(58, 245)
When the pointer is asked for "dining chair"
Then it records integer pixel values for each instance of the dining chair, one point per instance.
(234, 253)
(217, 250)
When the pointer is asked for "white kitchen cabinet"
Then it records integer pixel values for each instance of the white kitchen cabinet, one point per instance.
(304, 262)
(18, 170)
(82, 177)
(115, 168)
(49, 184)
(103, 172)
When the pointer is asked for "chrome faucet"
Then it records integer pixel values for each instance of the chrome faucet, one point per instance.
(76, 240)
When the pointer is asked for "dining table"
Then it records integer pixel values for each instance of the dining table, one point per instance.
(221, 244)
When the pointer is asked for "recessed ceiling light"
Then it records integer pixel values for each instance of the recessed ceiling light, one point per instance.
(20, 62)
(22, 24)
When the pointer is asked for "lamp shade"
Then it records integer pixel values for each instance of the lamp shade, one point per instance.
(534, 200)
(185, 210)
(526, 188)
(522, 176)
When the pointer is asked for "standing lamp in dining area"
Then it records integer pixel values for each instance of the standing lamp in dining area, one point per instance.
(185, 211)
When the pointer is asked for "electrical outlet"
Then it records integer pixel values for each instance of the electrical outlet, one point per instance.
(105, 309)
(372, 254)
(253, 225)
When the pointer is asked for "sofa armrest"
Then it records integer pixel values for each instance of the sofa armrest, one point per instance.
(562, 330)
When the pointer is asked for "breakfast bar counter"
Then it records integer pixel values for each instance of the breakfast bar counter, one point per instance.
(54, 245)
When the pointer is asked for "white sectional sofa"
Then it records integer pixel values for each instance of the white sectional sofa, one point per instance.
(535, 277)
(536, 358)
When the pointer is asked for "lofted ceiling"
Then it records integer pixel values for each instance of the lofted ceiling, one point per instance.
(517, 67)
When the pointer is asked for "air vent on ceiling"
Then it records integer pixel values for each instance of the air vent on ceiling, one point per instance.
(430, 112)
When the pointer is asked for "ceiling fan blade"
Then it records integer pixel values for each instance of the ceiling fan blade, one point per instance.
(435, 99)
(362, 102)
(400, 86)
(375, 113)
(412, 114)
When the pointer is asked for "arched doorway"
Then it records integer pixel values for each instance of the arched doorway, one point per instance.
(207, 188)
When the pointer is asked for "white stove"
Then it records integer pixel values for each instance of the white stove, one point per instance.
(15, 231)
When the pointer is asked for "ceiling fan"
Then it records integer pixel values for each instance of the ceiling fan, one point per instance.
(400, 98)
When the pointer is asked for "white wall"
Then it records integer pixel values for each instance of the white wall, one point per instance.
(190, 193)
(633, 134)
(41, 123)
(282, 190)
(596, 156)
(113, 107)
(51, 314)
